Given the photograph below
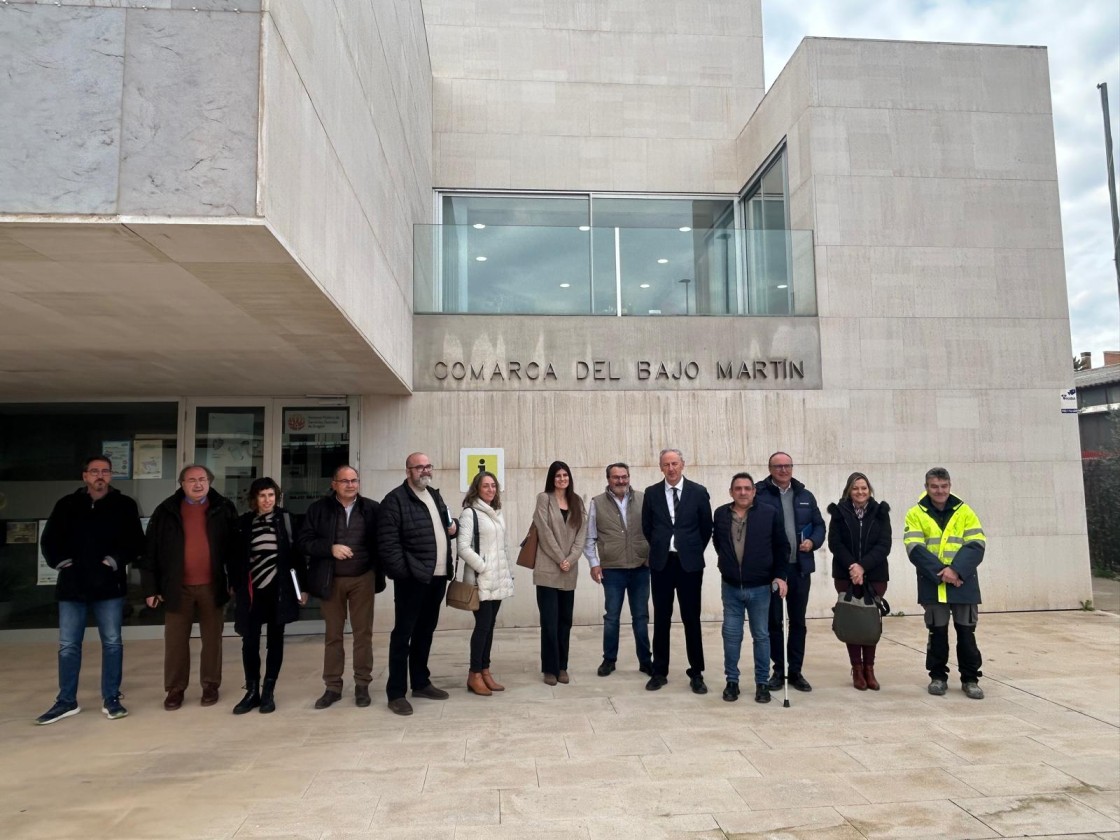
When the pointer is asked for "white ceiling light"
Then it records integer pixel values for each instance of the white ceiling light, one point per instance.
(643, 285)
(480, 259)
(479, 226)
(662, 261)
(684, 229)
(565, 285)
(585, 228)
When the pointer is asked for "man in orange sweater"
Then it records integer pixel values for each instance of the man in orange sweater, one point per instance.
(190, 540)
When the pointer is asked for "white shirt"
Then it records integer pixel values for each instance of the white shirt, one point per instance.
(672, 508)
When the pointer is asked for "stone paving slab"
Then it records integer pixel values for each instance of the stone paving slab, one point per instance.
(599, 759)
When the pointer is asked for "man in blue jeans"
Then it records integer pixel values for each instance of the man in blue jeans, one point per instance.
(618, 554)
(90, 538)
(753, 551)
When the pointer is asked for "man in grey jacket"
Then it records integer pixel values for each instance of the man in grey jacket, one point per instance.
(618, 554)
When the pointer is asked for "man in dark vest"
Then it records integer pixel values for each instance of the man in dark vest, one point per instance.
(618, 554)
(339, 538)
(415, 533)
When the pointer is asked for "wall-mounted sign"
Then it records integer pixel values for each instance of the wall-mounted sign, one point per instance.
(313, 421)
(487, 353)
(474, 461)
(1068, 400)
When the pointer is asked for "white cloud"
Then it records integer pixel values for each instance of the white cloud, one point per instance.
(1083, 46)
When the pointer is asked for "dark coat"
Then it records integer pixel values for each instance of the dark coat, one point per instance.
(85, 532)
(407, 538)
(765, 549)
(162, 566)
(317, 535)
(287, 560)
(865, 541)
(692, 529)
(807, 523)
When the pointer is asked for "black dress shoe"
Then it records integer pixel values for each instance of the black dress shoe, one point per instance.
(430, 692)
(606, 668)
(646, 669)
(329, 698)
(776, 682)
(361, 696)
(697, 685)
(762, 693)
(800, 683)
(656, 682)
(731, 692)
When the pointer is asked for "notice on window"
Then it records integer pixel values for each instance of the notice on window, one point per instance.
(46, 575)
(120, 455)
(23, 533)
(147, 458)
(316, 421)
(1069, 401)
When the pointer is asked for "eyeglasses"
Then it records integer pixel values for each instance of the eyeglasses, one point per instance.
(781, 466)
(347, 481)
(422, 468)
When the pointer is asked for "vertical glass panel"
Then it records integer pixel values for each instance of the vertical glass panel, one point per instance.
(515, 254)
(768, 246)
(230, 441)
(42, 450)
(674, 256)
(314, 443)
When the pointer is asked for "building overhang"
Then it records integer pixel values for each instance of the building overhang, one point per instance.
(141, 307)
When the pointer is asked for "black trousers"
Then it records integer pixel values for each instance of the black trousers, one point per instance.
(417, 613)
(797, 602)
(251, 650)
(482, 639)
(555, 607)
(666, 583)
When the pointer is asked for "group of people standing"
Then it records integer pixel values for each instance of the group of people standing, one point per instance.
(198, 552)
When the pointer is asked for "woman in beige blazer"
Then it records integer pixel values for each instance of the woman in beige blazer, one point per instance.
(562, 528)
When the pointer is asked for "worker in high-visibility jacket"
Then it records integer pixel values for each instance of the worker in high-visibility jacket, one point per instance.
(945, 542)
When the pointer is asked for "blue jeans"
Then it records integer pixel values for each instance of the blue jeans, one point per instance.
(755, 602)
(618, 584)
(72, 630)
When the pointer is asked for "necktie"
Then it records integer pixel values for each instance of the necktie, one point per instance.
(676, 499)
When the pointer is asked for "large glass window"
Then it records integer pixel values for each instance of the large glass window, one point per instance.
(579, 254)
(768, 256)
(42, 448)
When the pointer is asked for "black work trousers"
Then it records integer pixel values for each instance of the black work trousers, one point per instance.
(417, 613)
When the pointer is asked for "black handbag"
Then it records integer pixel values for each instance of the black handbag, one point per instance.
(858, 619)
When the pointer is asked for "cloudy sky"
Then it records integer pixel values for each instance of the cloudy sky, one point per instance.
(1083, 42)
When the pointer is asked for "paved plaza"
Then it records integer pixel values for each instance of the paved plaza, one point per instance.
(599, 759)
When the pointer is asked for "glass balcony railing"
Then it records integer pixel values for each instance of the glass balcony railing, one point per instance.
(536, 270)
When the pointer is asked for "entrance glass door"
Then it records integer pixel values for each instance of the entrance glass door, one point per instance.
(314, 442)
(230, 440)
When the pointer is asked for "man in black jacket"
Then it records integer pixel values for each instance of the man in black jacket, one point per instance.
(415, 538)
(339, 537)
(753, 552)
(90, 538)
(804, 527)
(191, 539)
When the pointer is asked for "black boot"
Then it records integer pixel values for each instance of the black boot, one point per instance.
(268, 701)
(252, 697)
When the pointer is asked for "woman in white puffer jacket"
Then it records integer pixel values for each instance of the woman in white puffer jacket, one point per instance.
(489, 567)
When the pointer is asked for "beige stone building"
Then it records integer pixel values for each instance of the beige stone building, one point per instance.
(280, 235)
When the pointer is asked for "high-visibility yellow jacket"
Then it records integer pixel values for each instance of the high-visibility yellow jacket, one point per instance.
(951, 537)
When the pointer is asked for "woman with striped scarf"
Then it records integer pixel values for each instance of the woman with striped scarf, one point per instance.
(270, 581)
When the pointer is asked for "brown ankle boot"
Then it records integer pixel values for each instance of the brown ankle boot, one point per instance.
(491, 683)
(475, 685)
(869, 676)
(858, 679)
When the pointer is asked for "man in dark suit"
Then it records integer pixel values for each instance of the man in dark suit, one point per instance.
(677, 523)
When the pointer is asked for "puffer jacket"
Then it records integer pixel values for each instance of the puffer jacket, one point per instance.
(489, 567)
(865, 541)
(406, 538)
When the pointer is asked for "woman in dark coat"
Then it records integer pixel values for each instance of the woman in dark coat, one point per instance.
(859, 537)
(269, 577)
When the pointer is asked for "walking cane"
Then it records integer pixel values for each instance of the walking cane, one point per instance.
(785, 655)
